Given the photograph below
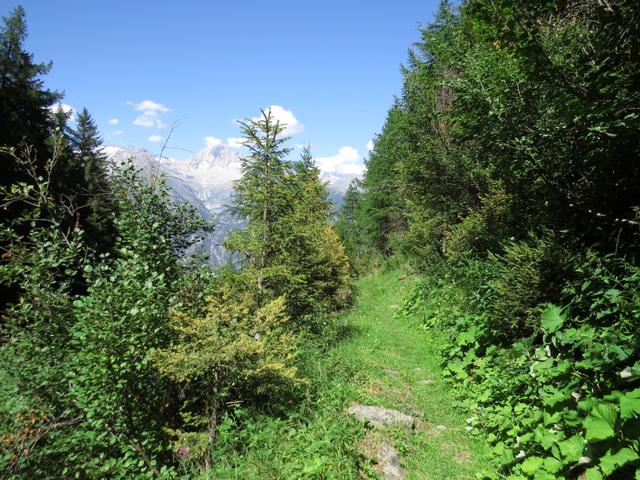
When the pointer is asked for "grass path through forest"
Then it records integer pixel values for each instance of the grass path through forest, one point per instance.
(379, 360)
(397, 367)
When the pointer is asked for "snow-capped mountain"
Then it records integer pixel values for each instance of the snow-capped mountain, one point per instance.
(205, 179)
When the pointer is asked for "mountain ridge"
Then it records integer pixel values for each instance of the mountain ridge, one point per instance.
(205, 179)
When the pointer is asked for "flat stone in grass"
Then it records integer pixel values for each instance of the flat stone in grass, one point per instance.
(389, 463)
(427, 382)
(381, 417)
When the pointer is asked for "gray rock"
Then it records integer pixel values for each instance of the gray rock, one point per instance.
(413, 411)
(389, 463)
(381, 417)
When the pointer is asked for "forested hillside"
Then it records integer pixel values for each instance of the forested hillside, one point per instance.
(496, 234)
(507, 173)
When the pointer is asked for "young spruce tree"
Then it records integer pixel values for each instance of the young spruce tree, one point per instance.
(262, 196)
(96, 194)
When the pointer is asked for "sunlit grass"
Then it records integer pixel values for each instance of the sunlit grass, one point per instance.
(379, 360)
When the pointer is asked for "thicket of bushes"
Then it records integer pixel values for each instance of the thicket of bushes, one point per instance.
(507, 173)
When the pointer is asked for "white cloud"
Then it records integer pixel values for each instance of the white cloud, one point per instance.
(150, 114)
(155, 138)
(370, 145)
(68, 109)
(286, 119)
(148, 106)
(346, 161)
(235, 142)
(117, 133)
(114, 121)
(212, 142)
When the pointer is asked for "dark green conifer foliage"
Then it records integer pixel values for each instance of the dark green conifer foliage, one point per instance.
(24, 102)
(312, 197)
(25, 122)
(349, 224)
(314, 256)
(262, 196)
(289, 247)
(95, 193)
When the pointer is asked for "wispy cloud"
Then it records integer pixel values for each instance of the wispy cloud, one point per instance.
(346, 161)
(155, 138)
(212, 142)
(148, 105)
(370, 145)
(235, 142)
(117, 133)
(114, 121)
(286, 118)
(68, 109)
(150, 114)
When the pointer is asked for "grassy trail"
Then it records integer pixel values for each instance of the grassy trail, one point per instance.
(381, 361)
(397, 367)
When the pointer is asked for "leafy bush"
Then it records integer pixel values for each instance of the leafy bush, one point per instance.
(563, 400)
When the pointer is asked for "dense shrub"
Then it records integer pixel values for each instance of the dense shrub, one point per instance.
(564, 399)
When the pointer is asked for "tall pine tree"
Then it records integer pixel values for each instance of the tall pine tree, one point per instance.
(262, 196)
(95, 194)
(25, 119)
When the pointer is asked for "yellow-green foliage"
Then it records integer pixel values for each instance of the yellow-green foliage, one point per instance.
(333, 273)
(235, 342)
(425, 236)
(234, 352)
(481, 228)
(521, 279)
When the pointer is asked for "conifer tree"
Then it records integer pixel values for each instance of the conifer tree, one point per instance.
(290, 247)
(314, 255)
(95, 193)
(313, 197)
(24, 103)
(262, 196)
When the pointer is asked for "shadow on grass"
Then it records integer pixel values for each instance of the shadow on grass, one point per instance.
(345, 332)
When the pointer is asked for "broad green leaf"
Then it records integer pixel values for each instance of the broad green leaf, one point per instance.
(542, 475)
(612, 294)
(552, 465)
(600, 423)
(572, 448)
(630, 404)
(313, 467)
(611, 462)
(532, 464)
(552, 318)
(544, 437)
(593, 474)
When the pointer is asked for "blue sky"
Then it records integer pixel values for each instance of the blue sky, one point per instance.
(333, 66)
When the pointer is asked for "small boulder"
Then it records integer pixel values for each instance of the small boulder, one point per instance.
(381, 417)
(389, 463)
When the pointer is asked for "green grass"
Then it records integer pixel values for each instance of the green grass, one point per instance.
(377, 360)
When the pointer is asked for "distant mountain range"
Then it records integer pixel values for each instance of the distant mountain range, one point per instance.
(206, 179)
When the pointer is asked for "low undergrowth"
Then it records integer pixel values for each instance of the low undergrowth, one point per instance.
(563, 400)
